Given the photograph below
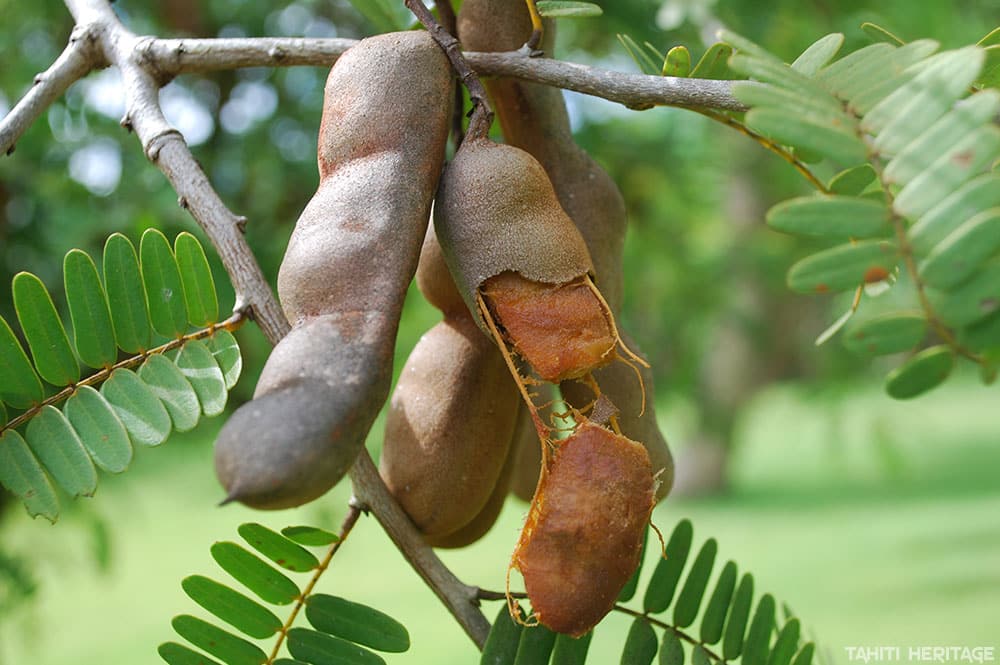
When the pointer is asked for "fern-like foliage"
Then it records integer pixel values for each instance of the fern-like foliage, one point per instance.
(732, 626)
(917, 206)
(158, 360)
(341, 631)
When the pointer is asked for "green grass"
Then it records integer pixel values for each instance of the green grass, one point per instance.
(877, 522)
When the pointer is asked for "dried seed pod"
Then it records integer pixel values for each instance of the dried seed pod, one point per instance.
(533, 117)
(505, 237)
(450, 423)
(345, 274)
(582, 539)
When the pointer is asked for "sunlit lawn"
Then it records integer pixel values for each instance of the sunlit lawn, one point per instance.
(876, 522)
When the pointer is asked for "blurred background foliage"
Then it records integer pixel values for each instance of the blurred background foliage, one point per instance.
(751, 407)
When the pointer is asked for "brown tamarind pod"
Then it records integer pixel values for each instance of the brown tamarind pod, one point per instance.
(344, 275)
(480, 525)
(450, 420)
(534, 118)
(449, 427)
(582, 539)
(508, 242)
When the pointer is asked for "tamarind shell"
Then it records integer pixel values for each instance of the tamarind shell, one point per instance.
(345, 273)
(434, 280)
(449, 427)
(480, 525)
(496, 212)
(583, 536)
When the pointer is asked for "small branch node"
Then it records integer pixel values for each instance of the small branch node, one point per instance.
(277, 53)
(182, 202)
(126, 123)
(241, 223)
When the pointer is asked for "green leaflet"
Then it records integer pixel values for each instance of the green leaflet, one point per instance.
(199, 288)
(677, 62)
(732, 640)
(879, 34)
(855, 71)
(309, 536)
(977, 195)
(57, 446)
(853, 181)
(226, 352)
(844, 267)
(805, 655)
(227, 647)
(570, 650)
(24, 477)
(893, 332)
(970, 301)
(640, 644)
(837, 217)
(923, 371)
(50, 348)
(641, 56)
(93, 332)
(197, 363)
(671, 649)
(502, 642)
(169, 385)
(714, 64)
(178, 654)
(320, 649)
(689, 601)
(535, 646)
(784, 647)
(142, 413)
(920, 154)
(758, 639)
(817, 108)
(959, 255)
(789, 127)
(699, 656)
(164, 289)
(356, 623)
(567, 9)
(126, 295)
(19, 385)
(100, 429)
(778, 74)
(818, 54)
(231, 606)
(983, 335)
(277, 548)
(269, 584)
(661, 587)
(715, 613)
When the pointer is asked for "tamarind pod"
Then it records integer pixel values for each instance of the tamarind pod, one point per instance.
(534, 118)
(480, 525)
(504, 236)
(449, 427)
(344, 275)
(434, 280)
(582, 539)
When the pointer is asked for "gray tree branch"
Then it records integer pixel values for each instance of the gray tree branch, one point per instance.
(165, 147)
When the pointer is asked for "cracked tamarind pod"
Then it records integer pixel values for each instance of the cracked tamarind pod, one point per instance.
(517, 258)
(450, 420)
(533, 117)
(344, 275)
(583, 536)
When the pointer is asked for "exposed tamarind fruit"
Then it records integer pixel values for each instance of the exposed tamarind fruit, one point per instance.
(582, 539)
(534, 118)
(344, 275)
(449, 427)
(511, 248)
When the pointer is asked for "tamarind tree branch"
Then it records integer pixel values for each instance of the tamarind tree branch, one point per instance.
(101, 40)
(638, 91)
(77, 60)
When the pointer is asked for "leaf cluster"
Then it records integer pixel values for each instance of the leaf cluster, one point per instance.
(143, 309)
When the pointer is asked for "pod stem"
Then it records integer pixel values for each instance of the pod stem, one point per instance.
(482, 114)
